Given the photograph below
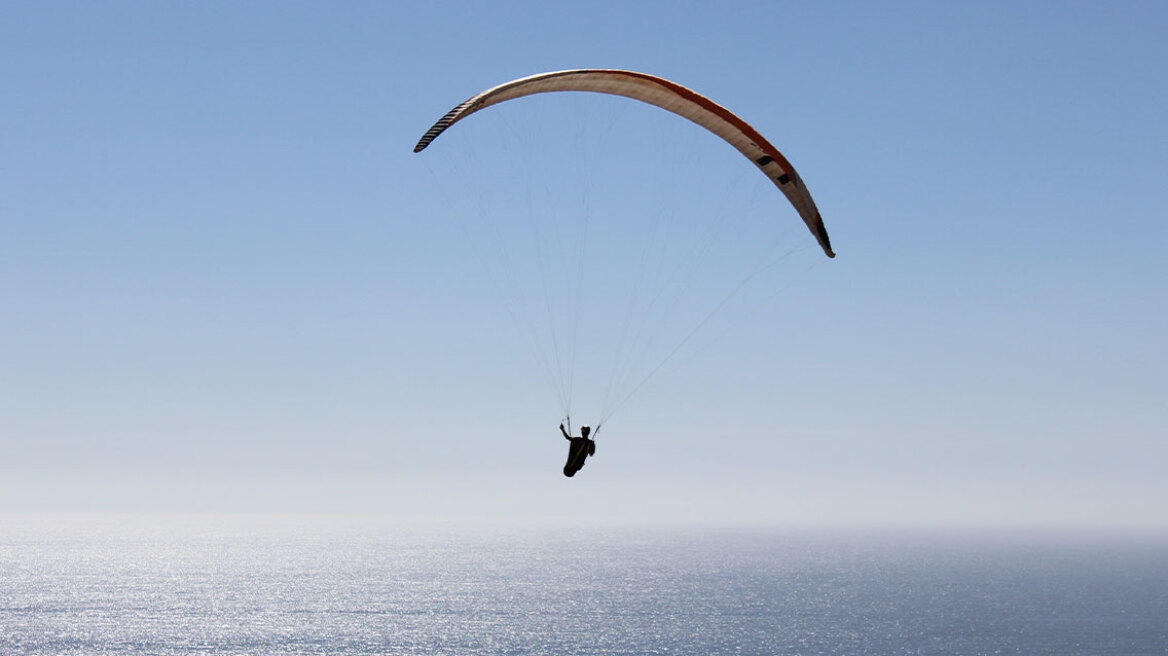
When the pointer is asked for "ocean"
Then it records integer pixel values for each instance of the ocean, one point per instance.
(265, 585)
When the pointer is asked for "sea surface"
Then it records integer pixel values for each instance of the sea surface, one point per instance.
(263, 585)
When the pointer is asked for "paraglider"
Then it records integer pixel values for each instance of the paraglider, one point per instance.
(579, 448)
(671, 97)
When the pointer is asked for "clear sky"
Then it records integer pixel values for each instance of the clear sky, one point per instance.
(227, 284)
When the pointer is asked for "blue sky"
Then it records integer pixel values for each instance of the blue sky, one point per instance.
(227, 283)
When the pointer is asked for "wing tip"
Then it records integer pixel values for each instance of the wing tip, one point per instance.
(821, 235)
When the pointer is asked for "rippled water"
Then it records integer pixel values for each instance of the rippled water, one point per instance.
(291, 585)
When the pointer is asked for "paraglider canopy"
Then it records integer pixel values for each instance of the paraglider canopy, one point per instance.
(669, 96)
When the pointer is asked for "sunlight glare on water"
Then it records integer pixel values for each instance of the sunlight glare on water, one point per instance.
(155, 584)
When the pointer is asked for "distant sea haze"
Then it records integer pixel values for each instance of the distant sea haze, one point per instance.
(265, 585)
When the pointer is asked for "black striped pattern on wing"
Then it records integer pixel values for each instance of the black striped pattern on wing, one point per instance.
(438, 127)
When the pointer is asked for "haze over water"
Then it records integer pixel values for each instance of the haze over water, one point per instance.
(250, 584)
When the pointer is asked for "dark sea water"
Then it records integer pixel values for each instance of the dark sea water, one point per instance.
(266, 585)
